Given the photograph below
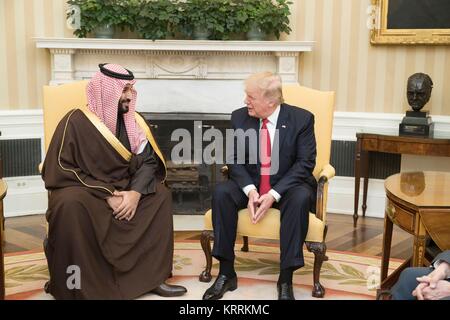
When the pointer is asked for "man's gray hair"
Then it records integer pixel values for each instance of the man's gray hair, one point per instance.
(269, 83)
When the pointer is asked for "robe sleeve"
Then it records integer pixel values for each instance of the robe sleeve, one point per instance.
(143, 180)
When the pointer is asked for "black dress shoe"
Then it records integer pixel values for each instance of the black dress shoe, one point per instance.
(220, 286)
(47, 287)
(169, 290)
(285, 291)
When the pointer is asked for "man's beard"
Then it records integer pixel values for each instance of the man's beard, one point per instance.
(123, 108)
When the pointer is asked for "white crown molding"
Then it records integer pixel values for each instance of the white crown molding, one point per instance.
(347, 124)
(21, 124)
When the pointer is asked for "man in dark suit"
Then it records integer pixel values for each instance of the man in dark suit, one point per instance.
(425, 283)
(273, 171)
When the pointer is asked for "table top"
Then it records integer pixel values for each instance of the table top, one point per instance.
(3, 189)
(439, 136)
(421, 189)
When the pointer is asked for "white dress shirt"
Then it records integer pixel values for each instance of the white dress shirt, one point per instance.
(271, 127)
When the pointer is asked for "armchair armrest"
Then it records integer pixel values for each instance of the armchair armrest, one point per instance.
(327, 172)
(325, 175)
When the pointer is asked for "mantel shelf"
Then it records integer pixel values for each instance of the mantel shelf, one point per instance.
(175, 45)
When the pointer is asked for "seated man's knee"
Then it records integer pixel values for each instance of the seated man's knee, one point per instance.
(222, 190)
(69, 197)
(299, 197)
(407, 282)
(410, 274)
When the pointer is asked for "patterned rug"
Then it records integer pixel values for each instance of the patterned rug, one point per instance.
(344, 275)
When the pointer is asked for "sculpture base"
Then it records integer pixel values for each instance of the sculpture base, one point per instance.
(417, 114)
(417, 123)
(421, 130)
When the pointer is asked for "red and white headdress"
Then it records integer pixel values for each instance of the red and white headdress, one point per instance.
(103, 95)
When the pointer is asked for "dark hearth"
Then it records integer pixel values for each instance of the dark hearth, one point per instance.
(191, 184)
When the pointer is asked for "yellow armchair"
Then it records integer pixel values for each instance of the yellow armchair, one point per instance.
(58, 101)
(321, 104)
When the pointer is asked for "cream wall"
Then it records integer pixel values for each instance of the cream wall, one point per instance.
(365, 78)
(24, 68)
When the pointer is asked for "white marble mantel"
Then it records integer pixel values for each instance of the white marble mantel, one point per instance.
(171, 69)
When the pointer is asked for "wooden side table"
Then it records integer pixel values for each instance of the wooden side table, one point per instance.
(419, 203)
(3, 189)
(370, 142)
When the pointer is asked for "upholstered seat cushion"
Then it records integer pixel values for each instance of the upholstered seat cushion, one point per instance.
(269, 226)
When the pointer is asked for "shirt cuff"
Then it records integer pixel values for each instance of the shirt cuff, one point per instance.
(275, 194)
(437, 263)
(248, 188)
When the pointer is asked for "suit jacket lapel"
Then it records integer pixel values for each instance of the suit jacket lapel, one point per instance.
(282, 123)
(254, 125)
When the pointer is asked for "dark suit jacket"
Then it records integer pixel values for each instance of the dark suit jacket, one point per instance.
(296, 150)
(444, 256)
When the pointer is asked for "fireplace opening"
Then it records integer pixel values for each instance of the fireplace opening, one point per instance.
(192, 184)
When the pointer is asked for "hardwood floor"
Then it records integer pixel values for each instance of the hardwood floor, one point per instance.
(27, 233)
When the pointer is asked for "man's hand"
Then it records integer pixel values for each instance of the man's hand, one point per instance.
(440, 273)
(428, 285)
(441, 290)
(252, 205)
(114, 202)
(127, 208)
(418, 292)
(264, 203)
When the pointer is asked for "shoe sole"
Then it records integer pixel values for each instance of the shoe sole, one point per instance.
(178, 294)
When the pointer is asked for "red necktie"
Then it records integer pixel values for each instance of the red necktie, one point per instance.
(265, 150)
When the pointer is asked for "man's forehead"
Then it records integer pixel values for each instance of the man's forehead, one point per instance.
(417, 84)
(252, 89)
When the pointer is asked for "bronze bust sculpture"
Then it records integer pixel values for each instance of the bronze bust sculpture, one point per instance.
(419, 90)
(417, 122)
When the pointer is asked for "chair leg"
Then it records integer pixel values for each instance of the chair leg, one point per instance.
(205, 240)
(245, 246)
(319, 249)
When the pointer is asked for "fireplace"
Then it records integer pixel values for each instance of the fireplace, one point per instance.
(180, 82)
(192, 184)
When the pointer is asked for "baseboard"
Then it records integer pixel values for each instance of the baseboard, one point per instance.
(341, 197)
(183, 222)
(26, 196)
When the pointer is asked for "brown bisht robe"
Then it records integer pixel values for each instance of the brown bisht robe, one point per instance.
(85, 163)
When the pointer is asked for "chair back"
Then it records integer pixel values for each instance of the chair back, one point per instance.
(321, 104)
(58, 100)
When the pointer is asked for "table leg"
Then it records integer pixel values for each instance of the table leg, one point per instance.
(390, 281)
(419, 243)
(365, 165)
(357, 180)
(386, 251)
